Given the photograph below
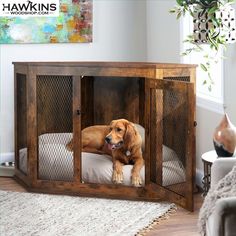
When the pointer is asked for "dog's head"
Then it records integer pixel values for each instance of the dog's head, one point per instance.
(122, 132)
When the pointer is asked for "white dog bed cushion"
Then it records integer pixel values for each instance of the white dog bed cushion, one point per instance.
(56, 163)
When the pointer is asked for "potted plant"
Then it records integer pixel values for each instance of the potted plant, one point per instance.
(213, 24)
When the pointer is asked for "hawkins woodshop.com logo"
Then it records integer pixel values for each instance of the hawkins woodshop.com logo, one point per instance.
(31, 8)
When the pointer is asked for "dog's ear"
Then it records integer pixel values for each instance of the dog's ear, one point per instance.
(130, 133)
(112, 122)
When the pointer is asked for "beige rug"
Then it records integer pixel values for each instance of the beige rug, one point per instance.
(27, 214)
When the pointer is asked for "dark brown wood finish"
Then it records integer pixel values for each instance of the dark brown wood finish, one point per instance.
(156, 134)
(187, 89)
(132, 65)
(77, 127)
(115, 98)
(193, 107)
(142, 102)
(20, 106)
(156, 141)
(21, 101)
(190, 146)
(103, 91)
(147, 114)
(87, 101)
(32, 134)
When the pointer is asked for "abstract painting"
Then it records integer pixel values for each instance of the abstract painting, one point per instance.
(72, 25)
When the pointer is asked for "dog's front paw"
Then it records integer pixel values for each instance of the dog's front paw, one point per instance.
(69, 146)
(117, 178)
(136, 180)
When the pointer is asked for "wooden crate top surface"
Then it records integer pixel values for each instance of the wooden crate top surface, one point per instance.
(144, 65)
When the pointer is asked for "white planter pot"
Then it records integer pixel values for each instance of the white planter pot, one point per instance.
(202, 25)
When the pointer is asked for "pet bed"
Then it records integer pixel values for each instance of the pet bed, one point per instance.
(56, 163)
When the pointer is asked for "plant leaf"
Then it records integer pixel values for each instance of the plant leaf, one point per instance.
(180, 2)
(212, 10)
(179, 14)
(173, 10)
(203, 67)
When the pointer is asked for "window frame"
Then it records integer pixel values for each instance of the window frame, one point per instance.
(204, 99)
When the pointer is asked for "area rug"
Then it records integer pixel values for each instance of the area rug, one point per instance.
(55, 215)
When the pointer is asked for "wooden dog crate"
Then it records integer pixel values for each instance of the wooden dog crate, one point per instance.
(65, 97)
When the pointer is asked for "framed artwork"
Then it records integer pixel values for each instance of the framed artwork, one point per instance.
(73, 23)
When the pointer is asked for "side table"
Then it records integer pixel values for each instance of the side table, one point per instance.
(207, 158)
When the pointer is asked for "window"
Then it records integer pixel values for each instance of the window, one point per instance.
(214, 99)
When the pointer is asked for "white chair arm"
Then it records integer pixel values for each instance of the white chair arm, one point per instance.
(220, 168)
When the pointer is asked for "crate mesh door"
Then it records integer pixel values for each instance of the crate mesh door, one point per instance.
(54, 121)
(21, 123)
(171, 157)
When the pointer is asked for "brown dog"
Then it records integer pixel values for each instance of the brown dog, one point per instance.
(122, 141)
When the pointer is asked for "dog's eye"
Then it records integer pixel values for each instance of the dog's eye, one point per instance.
(118, 129)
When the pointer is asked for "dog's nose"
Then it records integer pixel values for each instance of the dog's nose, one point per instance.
(108, 139)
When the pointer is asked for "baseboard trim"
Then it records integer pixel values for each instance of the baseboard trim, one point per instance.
(7, 156)
(198, 179)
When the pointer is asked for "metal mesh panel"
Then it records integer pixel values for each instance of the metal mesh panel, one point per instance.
(21, 122)
(179, 78)
(175, 119)
(54, 121)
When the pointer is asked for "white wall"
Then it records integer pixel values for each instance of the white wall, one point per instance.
(163, 32)
(119, 35)
(207, 121)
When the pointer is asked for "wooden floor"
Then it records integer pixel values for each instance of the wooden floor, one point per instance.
(181, 223)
